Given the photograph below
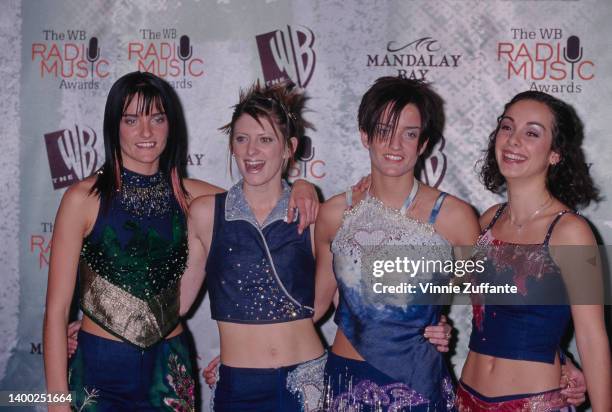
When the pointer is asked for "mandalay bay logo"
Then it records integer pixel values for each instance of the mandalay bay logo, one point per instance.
(287, 55)
(72, 155)
(415, 59)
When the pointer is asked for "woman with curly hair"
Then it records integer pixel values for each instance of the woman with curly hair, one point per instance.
(514, 362)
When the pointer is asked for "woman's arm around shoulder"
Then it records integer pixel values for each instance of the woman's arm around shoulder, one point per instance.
(200, 222)
(328, 223)
(197, 188)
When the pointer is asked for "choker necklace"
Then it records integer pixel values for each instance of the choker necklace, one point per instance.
(540, 209)
(145, 196)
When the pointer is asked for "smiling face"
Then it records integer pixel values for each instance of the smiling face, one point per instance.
(395, 153)
(259, 151)
(523, 143)
(142, 136)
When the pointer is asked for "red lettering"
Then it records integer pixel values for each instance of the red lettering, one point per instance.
(585, 76)
(101, 68)
(53, 69)
(522, 68)
(38, 49)
(71, 51)
(150, 68)
(505, 48)
(37, 241)
(166, 50)
(135, 48)
(82, 69)
(558, 67)
(151, 52)
(193, 71)
(54, 52)
(313, 172)
(543, 52)
(523, 51)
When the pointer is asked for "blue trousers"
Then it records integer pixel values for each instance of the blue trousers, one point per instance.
(109, 375)
(295, 388)
(356, 385)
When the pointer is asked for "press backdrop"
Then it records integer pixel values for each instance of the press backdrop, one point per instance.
(58, 60)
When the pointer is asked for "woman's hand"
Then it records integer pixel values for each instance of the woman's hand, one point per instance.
(210, 372)
(72, 333)
(303, 198)
(363, 184)
(439, 335)
(573, 384)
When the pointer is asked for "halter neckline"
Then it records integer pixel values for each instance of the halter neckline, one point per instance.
(409, 199)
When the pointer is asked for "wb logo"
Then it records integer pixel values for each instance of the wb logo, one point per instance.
(433, 169)
(287, 55)
(72, 155)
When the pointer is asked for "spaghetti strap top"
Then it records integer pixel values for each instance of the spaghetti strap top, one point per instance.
(526, 329)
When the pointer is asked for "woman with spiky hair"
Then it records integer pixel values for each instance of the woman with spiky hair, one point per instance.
(259, 269)
(535, 155)
(127, 226)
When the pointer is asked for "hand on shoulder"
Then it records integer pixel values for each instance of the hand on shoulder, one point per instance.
(197, 188)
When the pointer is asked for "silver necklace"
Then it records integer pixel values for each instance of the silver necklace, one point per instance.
(540, 209)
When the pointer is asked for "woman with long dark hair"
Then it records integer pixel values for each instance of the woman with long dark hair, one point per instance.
(535, 155)
(126, 226)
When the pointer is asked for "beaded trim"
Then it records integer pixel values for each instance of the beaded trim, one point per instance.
(145, 196)
(307, 381)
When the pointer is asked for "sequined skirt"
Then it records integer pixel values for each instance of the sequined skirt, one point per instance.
(108, 375)
(356, 386)
(295, 388)
(469, 400)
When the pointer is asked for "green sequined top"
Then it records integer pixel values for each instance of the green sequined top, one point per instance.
(132, 261)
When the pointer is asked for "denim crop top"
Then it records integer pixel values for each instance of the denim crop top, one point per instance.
(524, 329)
(132, 261)
(258, 274)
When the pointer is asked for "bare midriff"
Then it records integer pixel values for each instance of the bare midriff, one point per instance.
(92, 327)
(269, 345)
(492, 376)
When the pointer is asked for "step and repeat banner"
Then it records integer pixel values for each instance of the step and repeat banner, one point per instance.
(58, 60)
